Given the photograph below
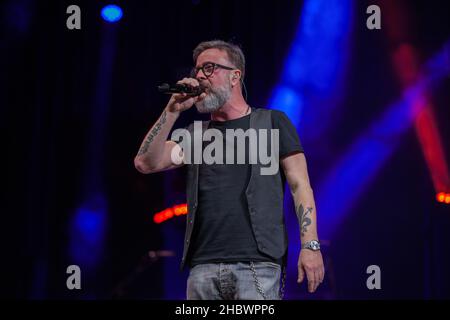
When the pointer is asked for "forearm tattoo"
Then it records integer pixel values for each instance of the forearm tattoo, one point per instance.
(303, 219)
(153, 133)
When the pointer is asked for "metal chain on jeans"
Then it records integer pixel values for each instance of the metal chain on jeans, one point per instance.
(258, 285)
(283, 282)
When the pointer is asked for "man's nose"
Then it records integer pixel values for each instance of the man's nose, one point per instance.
(200, 76)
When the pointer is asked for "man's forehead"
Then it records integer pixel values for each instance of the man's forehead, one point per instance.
(212, 55)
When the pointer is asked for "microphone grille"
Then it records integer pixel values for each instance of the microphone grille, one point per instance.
(163, 87)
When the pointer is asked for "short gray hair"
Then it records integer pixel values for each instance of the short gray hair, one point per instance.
(234, 52)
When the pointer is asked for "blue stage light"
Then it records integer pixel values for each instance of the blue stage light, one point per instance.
(112, 13)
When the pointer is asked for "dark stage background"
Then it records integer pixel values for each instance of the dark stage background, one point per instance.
(76, 104)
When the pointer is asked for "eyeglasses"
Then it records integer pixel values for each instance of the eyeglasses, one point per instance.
(208, 69)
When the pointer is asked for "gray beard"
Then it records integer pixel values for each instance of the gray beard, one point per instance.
(214, 100)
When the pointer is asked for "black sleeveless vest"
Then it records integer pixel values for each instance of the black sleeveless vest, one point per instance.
(264, 195)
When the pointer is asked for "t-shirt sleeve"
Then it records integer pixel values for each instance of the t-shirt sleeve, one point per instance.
(289, 139)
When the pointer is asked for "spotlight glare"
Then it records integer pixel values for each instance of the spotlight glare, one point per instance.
(166, 214)
(447, 198)
(440, 196)
(112, 13)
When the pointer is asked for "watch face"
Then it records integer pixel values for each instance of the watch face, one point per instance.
(315, 245)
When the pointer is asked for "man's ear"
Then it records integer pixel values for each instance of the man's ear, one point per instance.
(235, 76)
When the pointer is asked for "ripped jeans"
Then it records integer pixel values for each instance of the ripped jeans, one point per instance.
(234, 281)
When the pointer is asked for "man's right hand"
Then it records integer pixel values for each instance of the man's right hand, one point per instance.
(181, 101)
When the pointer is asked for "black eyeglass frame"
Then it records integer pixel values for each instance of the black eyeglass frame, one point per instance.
(195, 71)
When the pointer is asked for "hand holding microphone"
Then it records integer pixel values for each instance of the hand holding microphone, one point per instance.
(180, 88)
(184, 94)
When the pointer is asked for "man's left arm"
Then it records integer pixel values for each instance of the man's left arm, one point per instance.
(309, 262)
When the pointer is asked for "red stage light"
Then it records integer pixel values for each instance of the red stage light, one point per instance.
(447, 198)
(440, 197)
(166, 214)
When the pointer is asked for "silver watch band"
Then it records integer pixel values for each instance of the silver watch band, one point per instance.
(312, 245)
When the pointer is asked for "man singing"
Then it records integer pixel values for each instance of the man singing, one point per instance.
(236, 241)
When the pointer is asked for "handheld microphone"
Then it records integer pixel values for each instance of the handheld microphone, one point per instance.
(181, 88)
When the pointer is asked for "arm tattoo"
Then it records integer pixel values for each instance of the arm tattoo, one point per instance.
(304, 221)
(153, 133)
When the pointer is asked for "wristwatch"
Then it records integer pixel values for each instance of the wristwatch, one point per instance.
(313, 245)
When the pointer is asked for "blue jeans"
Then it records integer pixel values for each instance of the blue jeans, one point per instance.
(234, 281)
